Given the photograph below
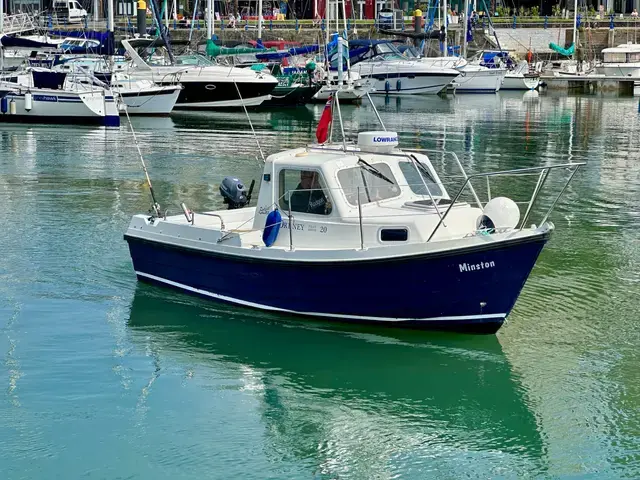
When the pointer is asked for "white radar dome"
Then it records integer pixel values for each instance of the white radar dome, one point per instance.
(499, 212)
(378, 141)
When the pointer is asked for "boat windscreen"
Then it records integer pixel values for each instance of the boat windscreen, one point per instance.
(372, 187)
(419, 180)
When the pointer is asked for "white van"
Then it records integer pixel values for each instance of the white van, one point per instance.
(69, 10)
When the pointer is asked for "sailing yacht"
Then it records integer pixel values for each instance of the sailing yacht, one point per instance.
(41, 96)
(205, 84)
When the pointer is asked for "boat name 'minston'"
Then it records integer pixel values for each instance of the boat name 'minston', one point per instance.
(384, 139)
(465, 267)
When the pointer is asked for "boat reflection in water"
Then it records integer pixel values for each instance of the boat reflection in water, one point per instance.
(353, 399)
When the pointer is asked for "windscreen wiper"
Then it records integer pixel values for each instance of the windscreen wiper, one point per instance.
(374, 171)
(423, 169)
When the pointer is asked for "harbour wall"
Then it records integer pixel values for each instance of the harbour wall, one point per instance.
(518, 40)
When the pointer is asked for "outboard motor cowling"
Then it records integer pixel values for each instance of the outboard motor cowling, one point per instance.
(233, 192)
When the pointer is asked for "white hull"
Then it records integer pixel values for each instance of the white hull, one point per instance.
(60, 106)
(517, 81)
(476, 79)
(150, 101)
(405, 77)
(619, 69)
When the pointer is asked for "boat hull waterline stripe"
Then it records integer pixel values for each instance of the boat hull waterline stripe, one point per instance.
(500, 316)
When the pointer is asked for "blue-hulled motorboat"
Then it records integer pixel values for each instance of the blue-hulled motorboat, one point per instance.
(355, 232)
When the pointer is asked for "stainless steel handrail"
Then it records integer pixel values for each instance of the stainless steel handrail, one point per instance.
(539, 184)
(455, 157)
(535, 194)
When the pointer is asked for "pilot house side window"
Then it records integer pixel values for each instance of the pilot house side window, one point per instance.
(304, 191)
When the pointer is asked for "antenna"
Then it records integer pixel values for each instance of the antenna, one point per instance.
(156, 205)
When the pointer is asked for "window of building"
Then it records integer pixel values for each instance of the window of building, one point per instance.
(305, 191)
(376, 182)
(420, 179)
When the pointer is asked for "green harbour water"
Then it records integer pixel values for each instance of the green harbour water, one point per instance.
(102, 377)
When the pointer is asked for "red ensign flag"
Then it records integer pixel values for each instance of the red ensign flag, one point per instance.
(325, 122)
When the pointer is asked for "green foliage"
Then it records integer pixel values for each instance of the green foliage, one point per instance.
(556, 10)
(535, 11)
(503, 11)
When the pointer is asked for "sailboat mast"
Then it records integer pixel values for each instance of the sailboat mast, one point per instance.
(465, 30)
(110, 11)
(575, 21)
(209, 18)
(344, 18)
(1, 32)
(444, 12)
(259, 18)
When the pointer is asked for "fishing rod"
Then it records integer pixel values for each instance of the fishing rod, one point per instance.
(156, 205)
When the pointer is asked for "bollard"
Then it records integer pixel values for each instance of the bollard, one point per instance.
(417, 24)
(271, 24)
(514, 21)
(175, 24)
(197, 23)
(546, 22)
(297, 25)
(611, 22)
(322, 27)
(348, 24)
(578, 20)
(142, 17)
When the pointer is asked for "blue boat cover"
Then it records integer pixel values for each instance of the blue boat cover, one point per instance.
(106, 39)
(19, 42)
(303, 50)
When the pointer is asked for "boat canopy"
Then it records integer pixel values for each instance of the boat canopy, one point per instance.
(567, 52)
(19, 42)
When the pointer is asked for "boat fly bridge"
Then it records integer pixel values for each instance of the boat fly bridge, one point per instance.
(362, 231)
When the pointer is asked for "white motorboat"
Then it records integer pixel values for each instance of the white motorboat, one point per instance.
(42, 96)
(620, 61)
(392, 73)
(363, 232)
(206, 85)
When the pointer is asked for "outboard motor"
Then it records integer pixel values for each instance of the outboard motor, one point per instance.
(234, 193)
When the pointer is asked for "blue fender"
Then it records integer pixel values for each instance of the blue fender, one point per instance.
(272, 227)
